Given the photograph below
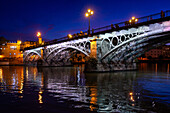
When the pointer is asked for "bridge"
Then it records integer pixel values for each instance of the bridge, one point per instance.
(110, 48)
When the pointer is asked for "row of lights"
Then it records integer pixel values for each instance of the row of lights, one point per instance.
(133, 20)
(88, 14)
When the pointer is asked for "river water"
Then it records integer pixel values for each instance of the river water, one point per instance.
(70, 90)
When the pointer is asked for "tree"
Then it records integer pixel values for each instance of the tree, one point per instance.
(3, 40)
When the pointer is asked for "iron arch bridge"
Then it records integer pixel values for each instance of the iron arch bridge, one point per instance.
(117, 50)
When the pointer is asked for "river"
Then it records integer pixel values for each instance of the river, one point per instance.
(69, 90)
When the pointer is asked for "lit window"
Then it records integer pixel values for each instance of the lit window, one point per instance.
(13, 47)
(4, 48)
(14, 53)
(9, 53)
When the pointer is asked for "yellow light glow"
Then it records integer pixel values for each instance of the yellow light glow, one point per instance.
(1, 77)
(86, 14)
(133, 18)
(130, 93)
(19, 41)
(70, 36)
(92, 12)
(1, 56)
(136, 20)
(89, 10)
(130, 21)
(38, 34)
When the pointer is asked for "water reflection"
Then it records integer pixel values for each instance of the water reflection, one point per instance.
(138, 91)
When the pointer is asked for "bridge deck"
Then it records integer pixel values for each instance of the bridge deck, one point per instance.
(155, 18)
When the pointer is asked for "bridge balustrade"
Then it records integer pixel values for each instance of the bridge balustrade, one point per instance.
(111, 27)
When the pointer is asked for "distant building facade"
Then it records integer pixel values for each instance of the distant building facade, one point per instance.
(154, 53)
(13, 51)
(161, 52)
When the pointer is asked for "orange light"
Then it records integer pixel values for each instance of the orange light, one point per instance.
(133, 18)
(130, 93)
(19, 41)
(70, 36)
(136, 20)
(38, 34)
(1, 56)
(86, 14)
(92, 12)
(89, 10)
(130, 21)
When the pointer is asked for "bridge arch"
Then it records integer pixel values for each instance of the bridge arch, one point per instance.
(62, 48)
(35, 52)
(143, 37)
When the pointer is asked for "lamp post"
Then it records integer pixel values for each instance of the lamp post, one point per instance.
(88, 14)
(69, 36)
(133, 20)
(39, 38)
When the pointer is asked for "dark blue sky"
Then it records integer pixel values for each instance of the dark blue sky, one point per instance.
(21, 19)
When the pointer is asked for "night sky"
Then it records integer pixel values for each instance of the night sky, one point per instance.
(22, 19)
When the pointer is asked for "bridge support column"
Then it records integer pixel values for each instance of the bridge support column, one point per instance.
(95, 64)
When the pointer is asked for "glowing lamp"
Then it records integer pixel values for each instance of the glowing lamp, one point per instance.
(136, 20)
(38, 34)
(133, 18)
(1, 56)
(92, 12)
(70, 36)
(130, 93)
(86, 14)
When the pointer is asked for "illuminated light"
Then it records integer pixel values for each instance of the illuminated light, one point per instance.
(70, 36)
(130, 21)
(38, 34)
(1, 77)
(133, 18)
(1, 56)
(40, 99)
(130, 93)
(136, 20)
(86, 14)
(89, 10)
(92, 12)
(92, 108)
(19, 41)
(131, 98)
(40, 96)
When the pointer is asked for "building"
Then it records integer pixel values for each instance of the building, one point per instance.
(11, 52)
(154, 53)
(166, 51)
(27, 44)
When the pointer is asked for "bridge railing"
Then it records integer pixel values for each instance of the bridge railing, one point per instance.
(126, 23)
(112, 27)
(167, 13)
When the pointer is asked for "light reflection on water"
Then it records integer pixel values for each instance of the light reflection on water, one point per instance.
(147, 89)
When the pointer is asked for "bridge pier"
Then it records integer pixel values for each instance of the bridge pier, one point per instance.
(95, 64)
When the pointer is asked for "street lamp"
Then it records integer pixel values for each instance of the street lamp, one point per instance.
(38, 34)
(70, 36)
(39, 38)
(133, 20)
(88, 14)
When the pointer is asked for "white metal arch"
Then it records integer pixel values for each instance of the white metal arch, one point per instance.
(32, 52)
(132, 39)
(67, 47)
